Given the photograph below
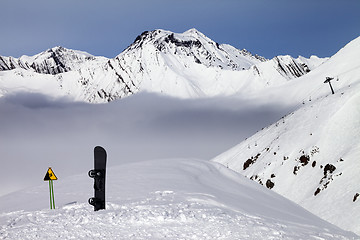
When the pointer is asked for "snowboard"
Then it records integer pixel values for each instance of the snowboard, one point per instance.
(98, 174)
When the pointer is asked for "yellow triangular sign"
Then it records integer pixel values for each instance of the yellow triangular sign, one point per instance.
(50, 175)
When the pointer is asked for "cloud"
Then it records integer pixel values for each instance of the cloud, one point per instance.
(38, 132)
(35, 100)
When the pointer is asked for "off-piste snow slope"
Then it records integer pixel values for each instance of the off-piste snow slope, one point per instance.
(161, 199)
(311, 156)
(185, 65)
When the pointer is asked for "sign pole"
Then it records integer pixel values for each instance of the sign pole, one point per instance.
(50, 195)
(50, 176)
(52, 192)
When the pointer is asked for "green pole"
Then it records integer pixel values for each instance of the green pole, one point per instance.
(50, 194)
(52, 190)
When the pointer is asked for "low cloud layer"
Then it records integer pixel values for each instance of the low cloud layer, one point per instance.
(38, 132)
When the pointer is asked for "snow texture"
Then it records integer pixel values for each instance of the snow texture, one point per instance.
(311, 155)
(162, 199)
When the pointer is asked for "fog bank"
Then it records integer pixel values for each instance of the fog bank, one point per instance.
(37, 132)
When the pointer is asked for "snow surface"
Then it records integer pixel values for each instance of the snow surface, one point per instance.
(311, 155)
(161, 199)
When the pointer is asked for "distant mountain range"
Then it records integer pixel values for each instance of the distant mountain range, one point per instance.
(186, 65)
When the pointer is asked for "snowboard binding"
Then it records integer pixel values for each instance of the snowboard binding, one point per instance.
(96, 173)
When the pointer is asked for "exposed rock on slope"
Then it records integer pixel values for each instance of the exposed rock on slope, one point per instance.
(311, 156)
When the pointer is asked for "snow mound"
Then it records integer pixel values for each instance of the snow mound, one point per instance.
(162, 199)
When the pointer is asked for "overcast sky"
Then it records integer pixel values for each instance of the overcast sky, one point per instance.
(265, 27)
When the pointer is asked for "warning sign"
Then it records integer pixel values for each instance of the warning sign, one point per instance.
(50, 175)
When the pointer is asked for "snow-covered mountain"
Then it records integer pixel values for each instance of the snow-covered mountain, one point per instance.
(308, 156)
(53, 61)
(182, 65)
(161, 199)
(311, 155)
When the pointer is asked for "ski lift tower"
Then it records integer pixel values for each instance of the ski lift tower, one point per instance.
(328, 79)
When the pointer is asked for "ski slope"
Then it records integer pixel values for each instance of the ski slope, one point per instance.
(311, 156)
(161, 199)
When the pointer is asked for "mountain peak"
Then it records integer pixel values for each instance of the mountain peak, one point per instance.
(58, 49)
(193, 32)
(196, 47)
(187, 64)
(160, 35)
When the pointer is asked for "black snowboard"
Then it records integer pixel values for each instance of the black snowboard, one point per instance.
(99, 174)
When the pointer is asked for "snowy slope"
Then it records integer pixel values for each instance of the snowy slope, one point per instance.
(311, 156)
(185, 65)
(161, 199)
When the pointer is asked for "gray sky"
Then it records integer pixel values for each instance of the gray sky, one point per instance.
(106, 28)
(37, 132)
